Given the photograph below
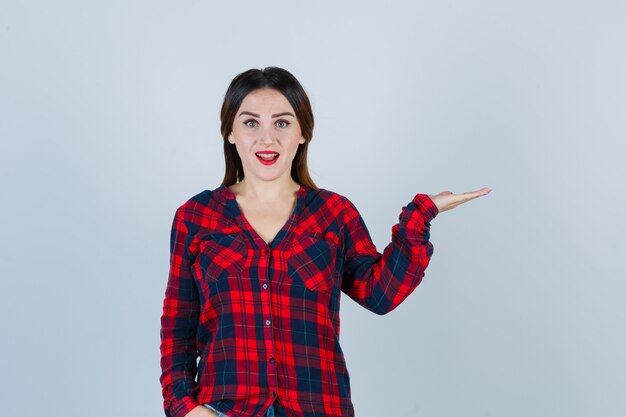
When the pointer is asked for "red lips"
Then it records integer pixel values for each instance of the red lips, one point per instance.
(267, 157)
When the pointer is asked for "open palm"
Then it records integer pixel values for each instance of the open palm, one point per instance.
(447, 200)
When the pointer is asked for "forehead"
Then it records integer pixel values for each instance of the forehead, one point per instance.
(265, 100)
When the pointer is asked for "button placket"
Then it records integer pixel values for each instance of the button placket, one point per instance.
(264, 277)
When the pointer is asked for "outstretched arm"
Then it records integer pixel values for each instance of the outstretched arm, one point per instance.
(380, 282)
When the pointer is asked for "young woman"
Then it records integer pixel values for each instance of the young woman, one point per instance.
(250, 323)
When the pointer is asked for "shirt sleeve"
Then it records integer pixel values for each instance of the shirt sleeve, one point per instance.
(178, 326)
(380, 282)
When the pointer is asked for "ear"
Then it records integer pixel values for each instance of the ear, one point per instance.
(302, 140)
(231, 139)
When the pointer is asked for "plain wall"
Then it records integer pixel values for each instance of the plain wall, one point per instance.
(109, 120)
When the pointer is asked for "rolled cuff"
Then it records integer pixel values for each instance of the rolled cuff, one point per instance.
(414, 220)
(426, 206)
(183, 406)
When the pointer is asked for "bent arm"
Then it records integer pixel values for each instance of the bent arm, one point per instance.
(380, 282)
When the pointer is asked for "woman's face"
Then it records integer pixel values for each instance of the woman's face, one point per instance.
(266, 134)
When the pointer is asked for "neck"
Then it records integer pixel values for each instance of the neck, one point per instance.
(266, 191)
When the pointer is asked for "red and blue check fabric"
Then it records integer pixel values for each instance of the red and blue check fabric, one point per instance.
(245, 323)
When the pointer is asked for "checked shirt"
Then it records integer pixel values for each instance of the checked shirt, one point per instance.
(245, 323)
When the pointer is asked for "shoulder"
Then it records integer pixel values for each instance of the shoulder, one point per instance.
(203, 204)
(329, 201)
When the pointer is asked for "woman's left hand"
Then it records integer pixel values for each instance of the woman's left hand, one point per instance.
(447, 200)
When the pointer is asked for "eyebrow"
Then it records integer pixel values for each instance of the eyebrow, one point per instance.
(273, 115)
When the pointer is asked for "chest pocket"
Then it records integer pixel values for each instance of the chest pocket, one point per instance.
(311, 263)
(222, 256)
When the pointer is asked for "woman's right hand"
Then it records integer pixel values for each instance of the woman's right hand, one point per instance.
(201, 411)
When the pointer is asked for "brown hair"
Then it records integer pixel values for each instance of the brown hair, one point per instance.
(284, 82)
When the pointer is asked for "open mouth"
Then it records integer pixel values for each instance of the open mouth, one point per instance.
(267, 158)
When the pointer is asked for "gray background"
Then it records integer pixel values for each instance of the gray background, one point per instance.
(109, 121)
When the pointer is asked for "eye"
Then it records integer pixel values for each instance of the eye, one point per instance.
(282, 123)
(250, 123)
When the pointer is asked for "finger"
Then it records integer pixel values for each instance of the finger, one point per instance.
(465, 197)
(474, 194)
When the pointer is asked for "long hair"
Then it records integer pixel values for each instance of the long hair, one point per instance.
(283, 81)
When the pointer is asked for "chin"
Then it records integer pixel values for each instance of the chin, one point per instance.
(267, 176)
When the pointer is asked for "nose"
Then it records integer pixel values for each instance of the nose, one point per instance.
(267, 137)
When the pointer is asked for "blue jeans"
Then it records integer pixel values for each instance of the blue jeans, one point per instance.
(269, 413)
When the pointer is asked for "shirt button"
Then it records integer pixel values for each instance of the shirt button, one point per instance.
(264, 286)
(268, 322)
(273, 393)
(272, 359)
(266, 251)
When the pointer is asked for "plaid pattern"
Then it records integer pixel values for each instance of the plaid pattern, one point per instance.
(244, 323)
